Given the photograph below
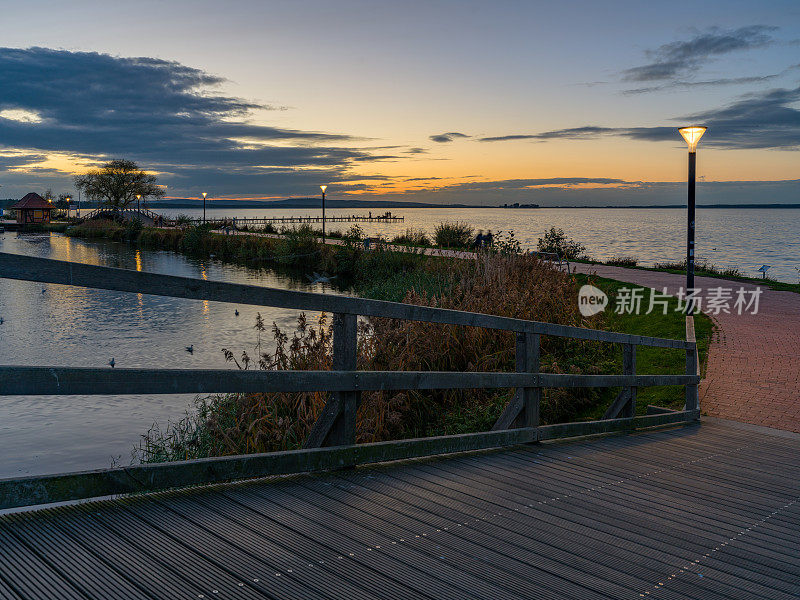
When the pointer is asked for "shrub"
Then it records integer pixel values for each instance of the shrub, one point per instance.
(623, 261)
(453, 234)
(183, 219)
(505, 243)
(298, 245)
(412, 237)
(557, 242)
(133, 228)
(701, 265)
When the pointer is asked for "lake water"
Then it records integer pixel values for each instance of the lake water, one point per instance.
(71, 326)
(741, 238)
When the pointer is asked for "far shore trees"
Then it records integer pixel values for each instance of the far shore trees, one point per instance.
(117, 183)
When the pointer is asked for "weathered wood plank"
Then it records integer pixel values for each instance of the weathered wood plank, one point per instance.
(66, 381)
(551, 380)
(612, 412)
(565, 430)
(30, 268)
(28, 491)
(336, 426)
(629, 368)
(529, 347)
(525, 400)
(692, 366)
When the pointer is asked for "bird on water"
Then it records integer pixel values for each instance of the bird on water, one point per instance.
(112, 362)
(190, 349)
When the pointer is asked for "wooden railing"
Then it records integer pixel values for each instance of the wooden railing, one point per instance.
(331, 443)
(104, 210)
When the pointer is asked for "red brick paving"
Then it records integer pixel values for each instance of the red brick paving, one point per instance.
(753, 371)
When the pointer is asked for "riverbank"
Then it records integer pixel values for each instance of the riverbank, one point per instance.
(508, 284)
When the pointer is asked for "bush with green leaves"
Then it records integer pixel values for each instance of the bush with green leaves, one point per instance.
(557, 242)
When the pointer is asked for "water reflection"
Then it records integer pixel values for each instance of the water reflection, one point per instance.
(74, 326)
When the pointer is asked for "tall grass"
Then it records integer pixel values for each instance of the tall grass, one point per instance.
(702, 266)
(412, 237)
(514, 286)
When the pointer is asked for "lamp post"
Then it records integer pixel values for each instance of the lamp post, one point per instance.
(204, 206)
(68, 199)
(138, 199)
(323, 188)
(692, 136)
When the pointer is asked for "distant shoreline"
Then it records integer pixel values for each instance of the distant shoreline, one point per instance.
(389, 205)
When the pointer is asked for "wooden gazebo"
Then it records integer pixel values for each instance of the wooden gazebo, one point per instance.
(33, 209)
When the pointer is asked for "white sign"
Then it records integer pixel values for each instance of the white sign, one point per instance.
(591, 300)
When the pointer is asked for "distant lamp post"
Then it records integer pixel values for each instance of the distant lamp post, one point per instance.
(68, 199)
(204, 206)
(692, 136)
(138, 200)
(323, 188)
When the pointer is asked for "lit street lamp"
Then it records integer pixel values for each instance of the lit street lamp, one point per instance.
(138, 198)
(204, 206)
(68, 199)
(323, 188)
(692, 136)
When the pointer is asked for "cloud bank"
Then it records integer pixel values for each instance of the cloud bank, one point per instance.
(163, 114)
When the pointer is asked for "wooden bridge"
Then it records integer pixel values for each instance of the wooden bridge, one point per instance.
(692, 511)
(145, 215)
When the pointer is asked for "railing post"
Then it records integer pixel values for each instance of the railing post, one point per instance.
(692, 367)
(527, 355)
(629, 368)
(336, 425)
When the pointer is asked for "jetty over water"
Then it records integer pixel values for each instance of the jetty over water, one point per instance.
(263, 221)
(670, 508)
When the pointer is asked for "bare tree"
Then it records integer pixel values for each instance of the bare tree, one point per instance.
(117, 183)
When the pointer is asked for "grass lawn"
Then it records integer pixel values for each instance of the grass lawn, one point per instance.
(653, 361)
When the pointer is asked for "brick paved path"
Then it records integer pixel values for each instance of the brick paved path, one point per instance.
(753, 372)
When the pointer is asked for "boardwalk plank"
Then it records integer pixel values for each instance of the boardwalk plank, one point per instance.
(709, 512)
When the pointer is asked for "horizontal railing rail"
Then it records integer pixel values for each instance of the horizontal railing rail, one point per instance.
(67, 381)
(331, 442)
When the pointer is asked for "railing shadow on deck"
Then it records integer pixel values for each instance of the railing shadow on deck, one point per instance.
(331, 443)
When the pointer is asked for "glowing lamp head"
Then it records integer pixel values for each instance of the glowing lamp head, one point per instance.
(323, 188)
(204, 195)
(138, 196)
(69, 198)
(692, 135)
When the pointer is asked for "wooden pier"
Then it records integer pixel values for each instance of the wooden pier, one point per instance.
(693, 511)
(263, 221)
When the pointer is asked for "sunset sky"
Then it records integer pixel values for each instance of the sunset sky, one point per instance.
(559, 103)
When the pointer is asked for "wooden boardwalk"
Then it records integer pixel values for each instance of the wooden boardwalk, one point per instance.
(708, 512)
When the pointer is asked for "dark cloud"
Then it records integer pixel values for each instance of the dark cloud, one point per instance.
(162, 114)
(766, 119)
(587, 131)
(447, 137)
(416, 151)
(611, 192)
(19, 160)
(677, 59)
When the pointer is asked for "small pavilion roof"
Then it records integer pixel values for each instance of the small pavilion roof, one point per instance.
(32, 201)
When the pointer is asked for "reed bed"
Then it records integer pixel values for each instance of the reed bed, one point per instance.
(509, 285)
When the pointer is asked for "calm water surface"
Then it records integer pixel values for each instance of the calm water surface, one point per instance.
(71, 326)
(740, 238)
